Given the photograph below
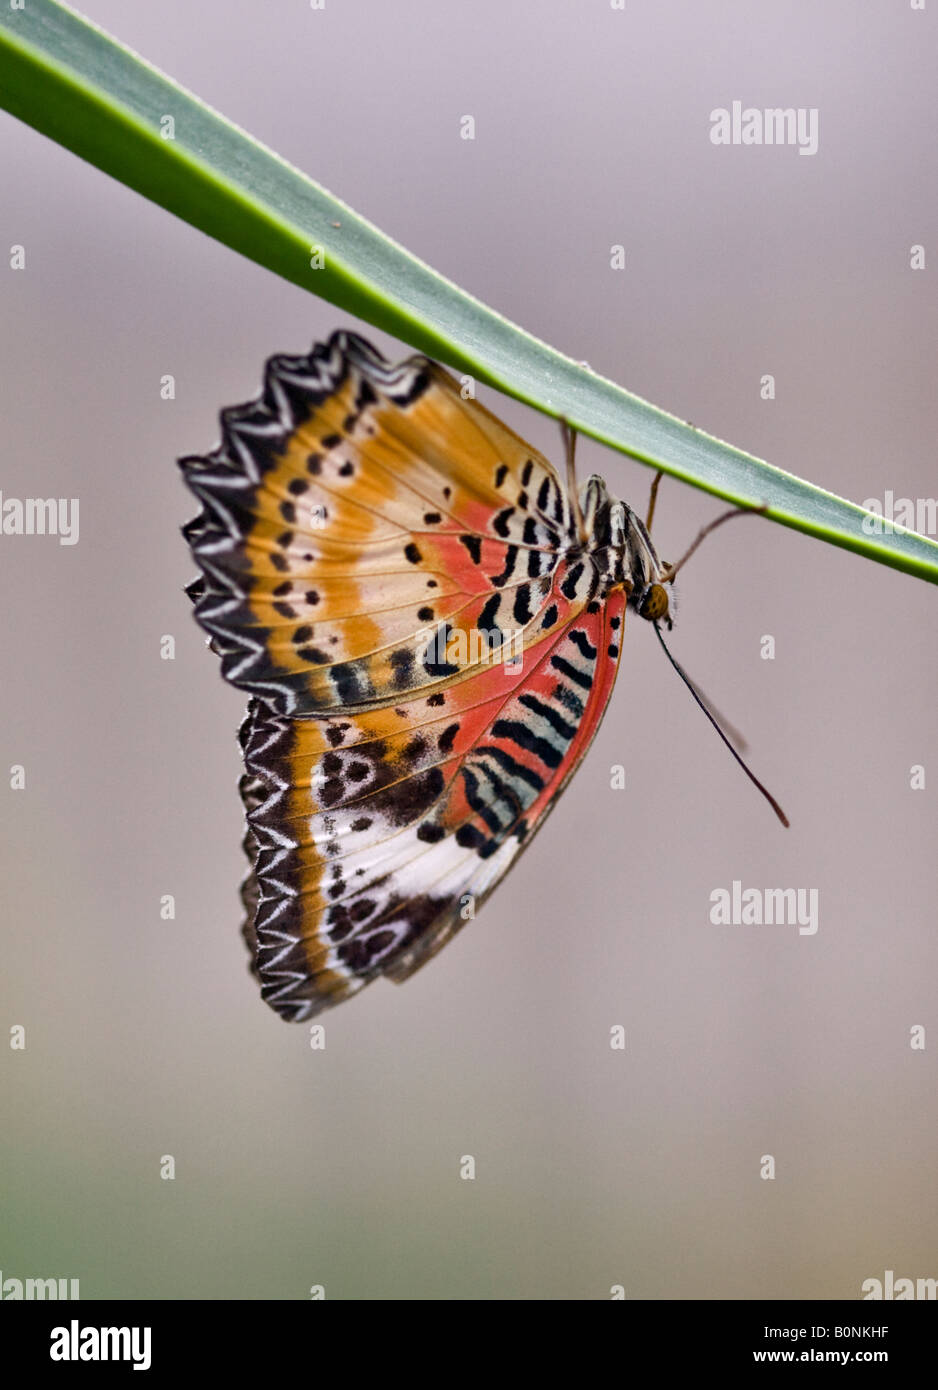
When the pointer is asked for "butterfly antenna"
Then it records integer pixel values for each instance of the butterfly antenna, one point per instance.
(693, 690)
(729, 729)
(652, 500)
(671, 570)
(569, 449)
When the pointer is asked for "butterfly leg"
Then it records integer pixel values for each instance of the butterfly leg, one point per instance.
(652, 500)
(568, 434)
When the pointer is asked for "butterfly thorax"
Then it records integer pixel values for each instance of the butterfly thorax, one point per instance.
(622, 552)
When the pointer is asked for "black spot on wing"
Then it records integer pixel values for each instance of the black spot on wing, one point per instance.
(545, 712)
(583, 644)
(522, 609)
(568, 587)
(508, 764)
(474, 546)
(479, 803)
(500, 523)
(511, 559)
(580, 678)
(531, 742)
(406, 801)
(469, 837)
(488, 614)
(447, 738)
(402, 665)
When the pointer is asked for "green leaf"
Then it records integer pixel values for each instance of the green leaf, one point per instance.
(74, 83)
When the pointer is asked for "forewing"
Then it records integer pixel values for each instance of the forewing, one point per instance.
(360, 522)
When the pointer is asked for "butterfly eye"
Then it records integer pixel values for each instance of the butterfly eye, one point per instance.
(654, 604)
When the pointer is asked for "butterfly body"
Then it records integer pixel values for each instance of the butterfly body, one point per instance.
(429, 627)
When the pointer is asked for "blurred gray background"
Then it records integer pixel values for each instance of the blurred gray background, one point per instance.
(595, 1167)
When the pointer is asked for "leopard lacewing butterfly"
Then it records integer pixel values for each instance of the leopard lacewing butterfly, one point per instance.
(362, 524)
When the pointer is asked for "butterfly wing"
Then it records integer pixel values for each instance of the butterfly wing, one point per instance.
(363, 525)
(356, 520)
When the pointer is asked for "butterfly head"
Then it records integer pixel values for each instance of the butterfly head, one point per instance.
(655, 604)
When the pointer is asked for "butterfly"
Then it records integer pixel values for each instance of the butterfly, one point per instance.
(429, 620)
